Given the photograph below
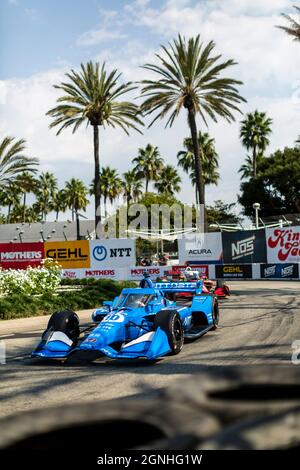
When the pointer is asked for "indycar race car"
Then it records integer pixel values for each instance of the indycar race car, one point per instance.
(141, 323)
(218, 288)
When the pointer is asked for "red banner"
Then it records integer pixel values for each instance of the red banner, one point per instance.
(21, 255)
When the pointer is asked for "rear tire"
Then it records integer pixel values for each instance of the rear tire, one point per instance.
(215, 314)
(65, 321)
(169, 321)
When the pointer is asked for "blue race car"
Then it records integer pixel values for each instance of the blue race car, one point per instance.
(146, 322)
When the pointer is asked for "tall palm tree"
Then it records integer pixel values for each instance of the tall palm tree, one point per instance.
(254, 133)
(148, 164)
(10, 197)
(209, 160)
(189, 77)
(92, 96)
(169, 181)
(13, 161)
(45, 191)
(76, 199)
(60, 202)
(132, 187)
(294, 26)
(27, 184)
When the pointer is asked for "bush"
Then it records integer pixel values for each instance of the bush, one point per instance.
(32, 281)
(90, 295)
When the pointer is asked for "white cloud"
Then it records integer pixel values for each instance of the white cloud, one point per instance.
(98, 36)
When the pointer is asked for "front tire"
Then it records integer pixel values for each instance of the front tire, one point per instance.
(169, 321)
(65, 321)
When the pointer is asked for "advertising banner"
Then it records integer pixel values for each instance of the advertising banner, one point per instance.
(69, 255)
(248, 246)
(21, 255)
(279, 271)
(137, 273)
(200, 248)
(283, 245)
(234, 271)
(112, 253)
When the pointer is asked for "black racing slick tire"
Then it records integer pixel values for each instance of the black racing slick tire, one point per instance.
(65, 321)
(215, 314)
(169, 321)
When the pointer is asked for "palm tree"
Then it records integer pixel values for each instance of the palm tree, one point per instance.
(148, 164)
(13, 161)
(92, 96)
(10, 197)
(294, 27)
(110, 185)
(60, 202)
(209, 160)
(132, 187)
(255, 129)
(189, 77)
(76, 199)
(45, 191)
(26, 183)
(169, 181)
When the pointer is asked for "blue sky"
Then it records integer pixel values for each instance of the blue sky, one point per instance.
(44, 39)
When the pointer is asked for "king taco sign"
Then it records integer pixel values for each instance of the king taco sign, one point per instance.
(283, 245)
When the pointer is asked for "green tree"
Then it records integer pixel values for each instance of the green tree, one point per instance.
(45, 191)
(132, 188)
(277, 186)
(93, 96)
(148, 164)
(76, 199)
(110, 186)
(209, 158)
(189, 77)
(222, 213)
(169, 181)
(10, 197)
(27, 184)
(60, 203)
(294, 26)
(13, 161)
(254, 133)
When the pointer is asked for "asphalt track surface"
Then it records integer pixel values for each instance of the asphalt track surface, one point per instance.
(258, 325)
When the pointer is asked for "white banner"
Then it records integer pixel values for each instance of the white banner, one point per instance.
(112, 253)
(283, 245)
(201, 248)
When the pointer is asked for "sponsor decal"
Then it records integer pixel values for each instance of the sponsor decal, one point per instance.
(200, 248)
(112, 253)
(241, 271)
(21, 255)
(100, 273)
(69, 254)
(138, 272)
(99, 253)
(200, 252)
(279, 271)
(244, 247)
(284, 244)
(69, 274)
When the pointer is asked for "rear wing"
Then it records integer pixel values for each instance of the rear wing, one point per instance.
(195, 287)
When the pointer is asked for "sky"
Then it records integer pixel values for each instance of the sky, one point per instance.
(42, 40)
